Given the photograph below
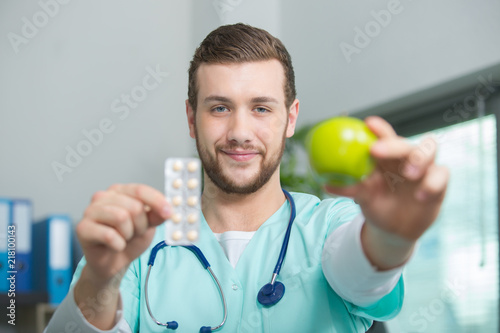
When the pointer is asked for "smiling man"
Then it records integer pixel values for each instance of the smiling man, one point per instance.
(344, 261)
(240, 125)
(230, 139)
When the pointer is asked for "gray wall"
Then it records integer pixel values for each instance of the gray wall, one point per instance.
(65, 79)
(70, 77)
(426, 44)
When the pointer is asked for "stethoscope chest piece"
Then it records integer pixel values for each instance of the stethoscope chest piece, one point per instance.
(271, 294)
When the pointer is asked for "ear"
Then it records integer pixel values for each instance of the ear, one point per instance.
(292, 118)
(191, 119)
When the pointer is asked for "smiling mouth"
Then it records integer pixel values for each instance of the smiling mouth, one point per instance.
(240, 155)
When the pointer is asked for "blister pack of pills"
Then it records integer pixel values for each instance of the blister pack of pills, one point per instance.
(183, 191)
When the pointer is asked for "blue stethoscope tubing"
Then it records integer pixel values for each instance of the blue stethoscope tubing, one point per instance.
(173, 324)
(272, 292)
(268, 295)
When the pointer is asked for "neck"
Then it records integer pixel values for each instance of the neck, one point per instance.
(241, 212)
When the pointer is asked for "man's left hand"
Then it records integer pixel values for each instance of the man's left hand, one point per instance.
(402, 197)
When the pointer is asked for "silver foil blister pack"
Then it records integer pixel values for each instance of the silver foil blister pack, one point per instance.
(183, 191)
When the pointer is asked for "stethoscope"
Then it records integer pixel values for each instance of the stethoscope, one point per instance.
(268, 295)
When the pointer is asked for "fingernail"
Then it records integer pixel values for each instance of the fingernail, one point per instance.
(166, 211)
(410, 171)
(118, 244)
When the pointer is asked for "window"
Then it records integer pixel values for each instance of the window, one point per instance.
(452, 281)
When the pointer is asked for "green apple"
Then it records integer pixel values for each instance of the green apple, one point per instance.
(339, 150)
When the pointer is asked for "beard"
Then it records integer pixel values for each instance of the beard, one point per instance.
(213, 168)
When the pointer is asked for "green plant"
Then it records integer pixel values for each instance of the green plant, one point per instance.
(296, 175)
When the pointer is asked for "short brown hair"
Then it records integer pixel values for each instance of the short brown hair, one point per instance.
(238, 43)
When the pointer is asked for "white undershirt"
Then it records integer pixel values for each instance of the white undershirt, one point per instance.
(234, 243)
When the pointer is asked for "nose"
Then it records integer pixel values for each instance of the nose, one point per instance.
(240, 128)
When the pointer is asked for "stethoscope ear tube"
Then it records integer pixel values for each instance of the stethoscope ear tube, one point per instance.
(199, 254)
(154, 251)
(173, 324)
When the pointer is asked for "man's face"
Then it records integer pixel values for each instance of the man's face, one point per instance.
(241, 123)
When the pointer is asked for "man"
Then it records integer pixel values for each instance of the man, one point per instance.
(342, 268)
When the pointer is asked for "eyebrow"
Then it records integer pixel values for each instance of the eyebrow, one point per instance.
(214, 98)
(222, 99)
(264, 99)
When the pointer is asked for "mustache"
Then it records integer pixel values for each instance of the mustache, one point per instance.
(237, 146)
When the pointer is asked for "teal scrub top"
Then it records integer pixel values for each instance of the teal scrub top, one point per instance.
(181, 289)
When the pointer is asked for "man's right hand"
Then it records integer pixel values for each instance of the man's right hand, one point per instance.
(117, 227)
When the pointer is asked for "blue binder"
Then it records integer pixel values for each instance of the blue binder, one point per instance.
(22, 216)
(5, 213)
(52, 256)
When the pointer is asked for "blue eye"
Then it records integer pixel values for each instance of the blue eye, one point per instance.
(220, 109)
(261, 110)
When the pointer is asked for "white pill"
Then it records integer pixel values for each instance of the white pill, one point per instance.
(192, 183)
(178, 166)
(192, 235)
(177, 200)
(176, 218)
(192, 201)
(177, 183)
(177, 235)
(192, 218)
(192, 166)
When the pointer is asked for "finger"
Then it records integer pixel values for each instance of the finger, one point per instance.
(420, 159)
(159, 208)
(380, 127)
(113, 216)
(135, 209)
(89, 231)
(391, 148)
(433, 185)
(97, 196)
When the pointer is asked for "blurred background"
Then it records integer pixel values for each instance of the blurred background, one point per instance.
(92, 93)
